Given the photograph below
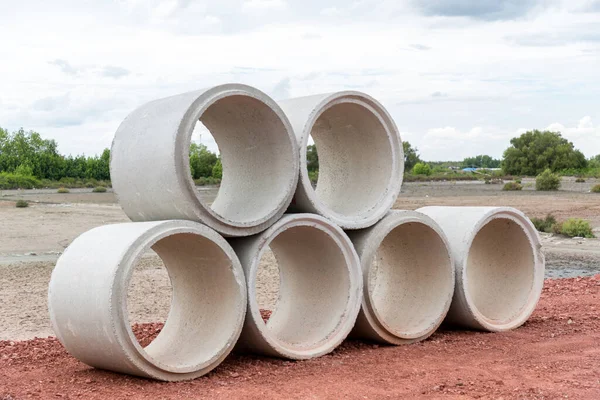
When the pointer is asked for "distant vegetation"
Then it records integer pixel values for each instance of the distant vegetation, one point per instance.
(411, 157)
(536, 151)
(512, 186)
(577, 227)
(547, 181)
(572, 227)
(481, 161)
(22, 204)
(28, 161)
(544, 224)
(422, 169)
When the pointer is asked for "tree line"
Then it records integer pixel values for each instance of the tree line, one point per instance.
(528, 155)
(26, 153)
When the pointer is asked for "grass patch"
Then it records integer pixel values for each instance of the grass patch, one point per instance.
(63, 190)
(577, 227)
(22, 204)
(544, 224)
(99, 189)
(596, 189)
(580, 180)
(512, 186)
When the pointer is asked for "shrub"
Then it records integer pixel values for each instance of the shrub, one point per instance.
(422, 169)
(580, 180)
(22, 204)
(557, 228)
(99, 189)
(62, 190)
(512, 186)
(596, 189)
(545, 224)
(577, 227)
(16, 181)
(518, 181)
(547, 181)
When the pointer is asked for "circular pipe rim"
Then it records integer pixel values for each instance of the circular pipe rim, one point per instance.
(535, 291)
(122, 328)
(193, 114)
(376, 237)
(387, 198)
(348, 318)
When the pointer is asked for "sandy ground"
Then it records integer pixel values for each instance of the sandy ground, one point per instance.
(555, 355)
(549, 357)
(34, 237)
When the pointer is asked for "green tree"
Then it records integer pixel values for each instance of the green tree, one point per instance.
(422, 169)
(411, 157)
(481, 161)
(534, 151)
(312, 158)
(202, 161)
(217, 171)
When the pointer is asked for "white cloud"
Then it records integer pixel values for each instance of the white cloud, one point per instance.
(260, 5)
(456, 86)
(585, 135)
(330, 11)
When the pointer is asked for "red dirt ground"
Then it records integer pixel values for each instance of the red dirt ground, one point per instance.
(556, 354)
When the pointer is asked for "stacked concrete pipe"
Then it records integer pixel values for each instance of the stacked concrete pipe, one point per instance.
(361, 161)
(408, 276)
(320, 288)
(87, 299)
(499, 265)
(150, 167)
(388, 278)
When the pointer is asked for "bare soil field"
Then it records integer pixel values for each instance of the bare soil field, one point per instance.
(550, 359)
(554, 355)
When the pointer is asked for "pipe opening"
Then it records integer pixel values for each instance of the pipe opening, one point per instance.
(205, 164)
(410, 269)
(267, 283)
(314, 287)
(205, 303)
(149, 294)
(257, 158)
(500, 270)
(355, 159)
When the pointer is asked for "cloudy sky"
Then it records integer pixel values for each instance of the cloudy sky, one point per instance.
(460, 77)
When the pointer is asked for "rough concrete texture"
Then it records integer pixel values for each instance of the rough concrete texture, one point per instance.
(499, 265)
(408, 278)
(150, 168)
(87, 299)
(319, 292)
(361, 161)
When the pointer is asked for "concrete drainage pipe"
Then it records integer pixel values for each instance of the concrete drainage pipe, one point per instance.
(499, 265)
(88, 299)
(150, 167)
(319, 288)
(361, 161)
(408, 277)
